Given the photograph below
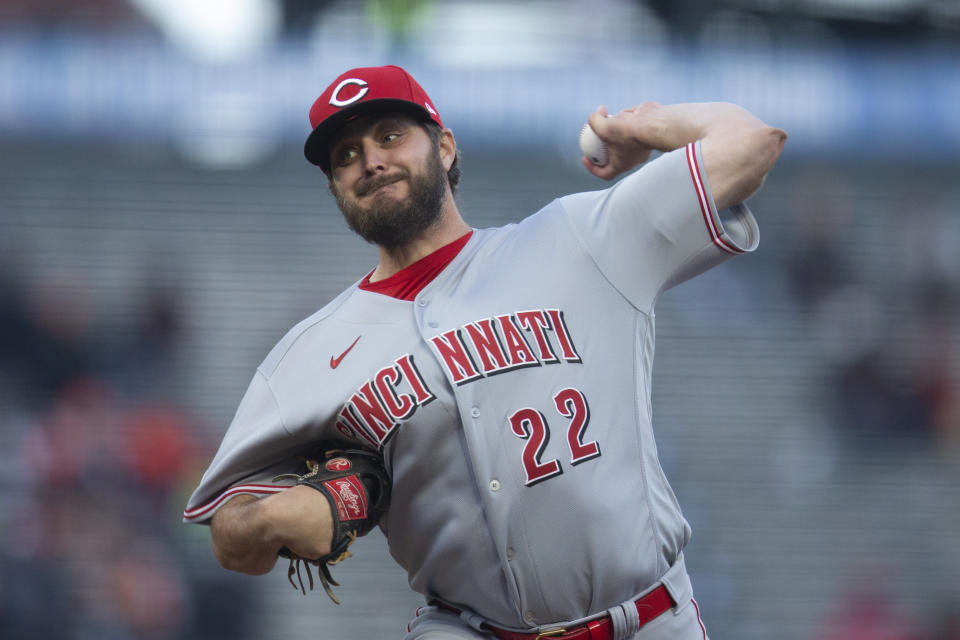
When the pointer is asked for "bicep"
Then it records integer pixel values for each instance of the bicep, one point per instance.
(737, 159)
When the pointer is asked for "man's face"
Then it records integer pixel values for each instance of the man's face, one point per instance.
(387, 178)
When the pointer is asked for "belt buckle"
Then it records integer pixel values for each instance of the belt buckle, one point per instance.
(550, 633)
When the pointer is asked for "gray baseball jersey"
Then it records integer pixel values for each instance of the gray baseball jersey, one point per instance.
(511, 400)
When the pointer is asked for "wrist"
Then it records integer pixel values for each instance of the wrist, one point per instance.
(270, 520)
(299, 519)
(670, 127)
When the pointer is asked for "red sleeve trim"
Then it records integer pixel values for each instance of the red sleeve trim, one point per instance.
(257, 489)
(704, 202)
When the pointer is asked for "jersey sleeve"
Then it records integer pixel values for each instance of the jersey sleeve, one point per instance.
(659, 226)
(256, 448)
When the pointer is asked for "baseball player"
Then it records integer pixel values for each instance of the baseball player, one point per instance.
(502, 375)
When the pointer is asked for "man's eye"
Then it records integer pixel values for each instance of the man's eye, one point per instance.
(390, 137)
(345, 156)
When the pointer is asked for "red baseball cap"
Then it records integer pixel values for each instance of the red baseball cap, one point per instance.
(359, 91)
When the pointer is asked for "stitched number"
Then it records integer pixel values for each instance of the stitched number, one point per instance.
(571, 404)
(530, 425)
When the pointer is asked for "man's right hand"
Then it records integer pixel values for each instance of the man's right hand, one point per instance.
(618, 132)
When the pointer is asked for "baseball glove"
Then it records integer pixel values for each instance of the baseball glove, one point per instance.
(356, 485)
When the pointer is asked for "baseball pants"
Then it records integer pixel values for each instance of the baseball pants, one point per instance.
(680, 623)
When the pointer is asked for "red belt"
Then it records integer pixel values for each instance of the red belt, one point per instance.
(649, 607)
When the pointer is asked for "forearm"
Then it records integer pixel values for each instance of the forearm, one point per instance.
(242, 537)
(671, 126)
(738, 149)
(248, 532)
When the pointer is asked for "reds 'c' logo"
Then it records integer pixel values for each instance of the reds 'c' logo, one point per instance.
(337, 464)
(335, 96)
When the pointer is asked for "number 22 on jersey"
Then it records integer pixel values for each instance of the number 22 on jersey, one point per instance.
(532, 426)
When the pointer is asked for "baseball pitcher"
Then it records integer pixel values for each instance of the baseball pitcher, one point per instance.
(483, 395)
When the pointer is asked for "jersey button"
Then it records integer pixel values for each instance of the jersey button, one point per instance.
(475, 412)
(422, 303)
(433, 324)
(529, 619)
(510, 553)
(494, 485)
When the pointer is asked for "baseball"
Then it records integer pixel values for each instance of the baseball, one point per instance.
(593, 147)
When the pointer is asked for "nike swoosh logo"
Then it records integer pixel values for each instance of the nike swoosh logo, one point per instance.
(335, 362)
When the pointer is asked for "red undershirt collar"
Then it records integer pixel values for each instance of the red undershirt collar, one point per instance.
(409, 281)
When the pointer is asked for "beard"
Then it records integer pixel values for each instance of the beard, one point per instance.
(394, 222)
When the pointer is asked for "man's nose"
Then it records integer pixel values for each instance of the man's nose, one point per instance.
(374, 158)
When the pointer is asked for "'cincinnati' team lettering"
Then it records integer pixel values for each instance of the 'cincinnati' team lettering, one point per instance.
(504, 343)
(478, 349)
(392, 396)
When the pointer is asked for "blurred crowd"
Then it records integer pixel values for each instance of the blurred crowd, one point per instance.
(877, 275)
(97, 466)
(873, 266)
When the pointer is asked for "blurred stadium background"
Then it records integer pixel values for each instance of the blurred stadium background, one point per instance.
(159, 231)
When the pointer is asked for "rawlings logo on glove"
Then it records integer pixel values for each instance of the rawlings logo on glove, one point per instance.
(348, 495)
(357, 487)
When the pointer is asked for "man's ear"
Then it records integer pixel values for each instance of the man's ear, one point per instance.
(448, 149)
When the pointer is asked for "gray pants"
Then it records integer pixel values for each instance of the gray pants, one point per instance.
(680, 623)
